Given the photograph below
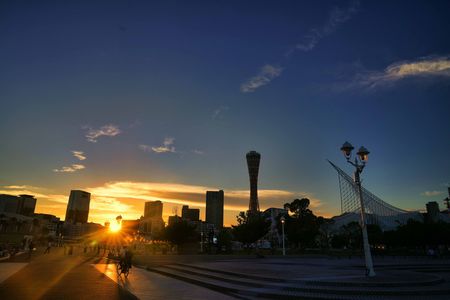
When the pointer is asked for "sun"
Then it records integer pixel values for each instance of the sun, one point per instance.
(115, 227)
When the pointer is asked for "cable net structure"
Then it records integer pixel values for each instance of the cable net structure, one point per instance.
(377, 211)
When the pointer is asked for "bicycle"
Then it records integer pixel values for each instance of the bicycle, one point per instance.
(122, 268)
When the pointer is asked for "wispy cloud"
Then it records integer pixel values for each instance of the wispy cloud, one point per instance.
(107, 130)
(183, 194)
(166, 147)
(22, 187)
(199, 152)
(70, 169)
(336, 17)
(426, 67)
(265, 76)
(79, 154)
(74, 167)
(432, 193)
(145, 148)
(269, 72)
(218, 112)
(108, 204)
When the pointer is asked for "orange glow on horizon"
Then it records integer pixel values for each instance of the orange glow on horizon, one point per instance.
(129, 196)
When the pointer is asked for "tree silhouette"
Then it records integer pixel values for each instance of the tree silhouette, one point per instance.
(349, 236)
(298, 208)
(302, 226)
(180, 233)
(251, 227)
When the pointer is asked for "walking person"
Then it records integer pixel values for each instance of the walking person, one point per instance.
(30, 249)
(49, 245)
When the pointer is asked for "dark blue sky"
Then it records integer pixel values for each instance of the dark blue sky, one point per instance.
(290, 79)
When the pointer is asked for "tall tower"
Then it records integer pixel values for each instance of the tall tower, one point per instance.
(214, 208)
(27, 205)
(253, 159)
(152, 222)
(153, 209)
(78, 207)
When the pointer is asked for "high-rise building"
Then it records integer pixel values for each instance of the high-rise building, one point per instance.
(9, 203)
(78, 207)
(433, 212)
(152, 223)
(22, 205)
(191, 214)
(253, 159)
(27, 205)
(214, 208)
(153, 209)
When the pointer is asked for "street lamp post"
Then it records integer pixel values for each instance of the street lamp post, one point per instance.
(201, 242)
(283, 220)
(359, 164)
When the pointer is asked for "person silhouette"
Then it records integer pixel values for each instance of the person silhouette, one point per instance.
(30, 249)
(47, 250)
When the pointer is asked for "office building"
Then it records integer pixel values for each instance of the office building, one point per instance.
(152, 222)
(21, 205)
(214, 208)
(433, 212)
(78, 207)
(9, 203)
(253, 159)
(190, 214)
(27, 205)
(153, 209)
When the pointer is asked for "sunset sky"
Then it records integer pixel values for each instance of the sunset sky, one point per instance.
(161, 100)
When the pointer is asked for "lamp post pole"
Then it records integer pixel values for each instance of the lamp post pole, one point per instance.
(282, 229)
(201, 242)
(367, 253)
(359, 166)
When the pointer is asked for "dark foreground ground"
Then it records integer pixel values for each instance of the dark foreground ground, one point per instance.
(84, 276)
(58, 276)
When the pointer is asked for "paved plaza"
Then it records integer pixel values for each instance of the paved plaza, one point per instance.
(81, 276)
